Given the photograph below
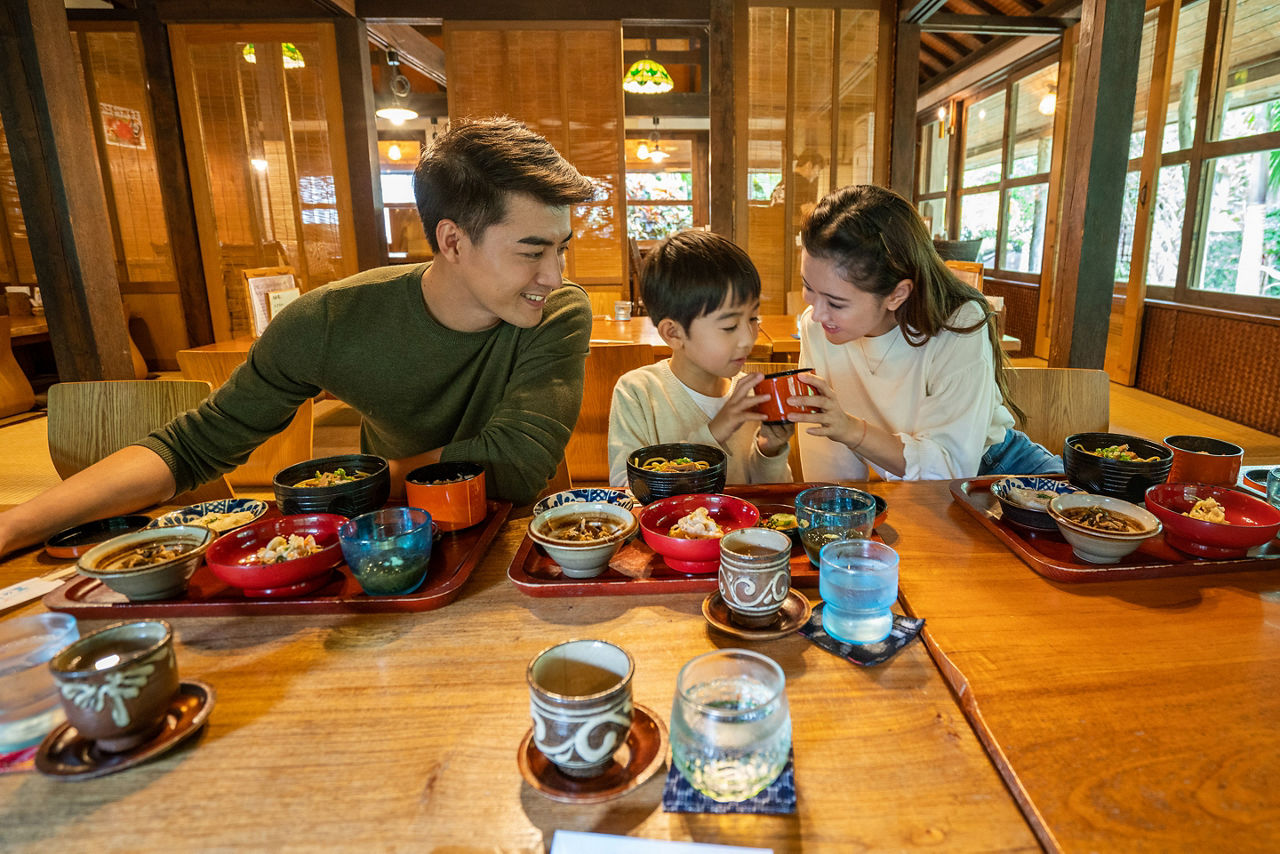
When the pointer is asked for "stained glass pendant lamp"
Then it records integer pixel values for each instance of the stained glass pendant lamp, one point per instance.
(647, 77)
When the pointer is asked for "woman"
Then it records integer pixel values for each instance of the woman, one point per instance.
(907, 366)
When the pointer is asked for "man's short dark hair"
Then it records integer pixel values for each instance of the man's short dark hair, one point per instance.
(471, 169)
(692, 273)
(811, 156)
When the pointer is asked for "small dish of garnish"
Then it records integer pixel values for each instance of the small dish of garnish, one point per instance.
(1024, 500)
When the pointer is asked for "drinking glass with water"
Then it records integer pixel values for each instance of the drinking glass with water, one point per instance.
(730, 723)
(858, 581)
(829, 513)
(1273, 487)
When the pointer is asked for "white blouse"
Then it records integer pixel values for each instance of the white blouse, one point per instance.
(940, 399)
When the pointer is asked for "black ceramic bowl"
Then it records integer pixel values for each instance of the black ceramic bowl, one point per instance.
(1116, 478)
(363, 495)
(650, 486)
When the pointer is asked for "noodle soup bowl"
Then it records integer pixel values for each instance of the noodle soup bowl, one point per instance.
(695, 556)
(1095, 545)
(233, 557)
(1250, 521)
(366, 493)
(649, 486)
(557, 531)
(1126, 479)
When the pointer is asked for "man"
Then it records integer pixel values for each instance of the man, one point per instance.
(477, 356)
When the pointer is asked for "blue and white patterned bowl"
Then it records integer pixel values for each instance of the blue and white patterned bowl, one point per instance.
(608, 495)
(1027, 517)
(188, 515)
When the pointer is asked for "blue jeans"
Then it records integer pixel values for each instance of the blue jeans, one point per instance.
(1019, 455)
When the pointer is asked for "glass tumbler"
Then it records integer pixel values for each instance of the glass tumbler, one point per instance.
(829, 513)
(730, 723)
(388, 550)
(858, 581)
(1273, 487)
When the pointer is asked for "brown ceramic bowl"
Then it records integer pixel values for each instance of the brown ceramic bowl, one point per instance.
(453, 493)
(1200, 459)
(778, 387)
(157, 575)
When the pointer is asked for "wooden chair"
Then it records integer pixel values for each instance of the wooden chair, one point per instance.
(587, 455)
(91, 420)
(969, 272)
(16, 394)
(1061, 401)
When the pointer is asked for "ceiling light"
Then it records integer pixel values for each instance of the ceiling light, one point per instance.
(642, 151)
(393, 152)
(647, 77)
(398, 113)
(1048, 104)
(259, 164)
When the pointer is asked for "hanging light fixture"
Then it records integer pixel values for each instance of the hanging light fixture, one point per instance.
(647, 77)
(1049, 102)
(656, 154)
(398, 113)
(393, 152)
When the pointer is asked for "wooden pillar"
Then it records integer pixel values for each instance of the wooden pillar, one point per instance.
(906, 90)
(1110, 37)
(727, 77)
(356, 86)
(43, 103)
(175, 180)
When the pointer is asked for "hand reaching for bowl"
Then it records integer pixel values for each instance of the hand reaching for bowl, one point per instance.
(738, 409)
(866, 440)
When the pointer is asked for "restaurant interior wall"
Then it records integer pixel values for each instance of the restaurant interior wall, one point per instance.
(815, 94)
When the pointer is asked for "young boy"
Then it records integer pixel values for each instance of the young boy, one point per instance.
(703, 294)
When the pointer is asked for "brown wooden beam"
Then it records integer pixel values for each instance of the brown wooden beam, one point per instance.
(726, 107)
(241, 11)
(683, 104)
(1110, 37)
(175, 180)
(665, 11)
(356, 86)
(906, 82)
(414, 48)
(42, 103)
(998, 25)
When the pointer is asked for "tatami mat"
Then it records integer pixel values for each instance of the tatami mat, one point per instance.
(25, 467)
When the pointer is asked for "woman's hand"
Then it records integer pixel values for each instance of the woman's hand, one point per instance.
(833, 422)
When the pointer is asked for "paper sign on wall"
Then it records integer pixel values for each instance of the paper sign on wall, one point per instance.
(122, 126)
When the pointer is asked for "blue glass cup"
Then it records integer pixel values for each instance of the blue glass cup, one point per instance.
(388, 550)
(829, 513)
(858, 581)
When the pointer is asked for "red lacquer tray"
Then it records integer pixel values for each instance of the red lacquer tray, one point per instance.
(537, 575)
(454, 557)
(1050, 555)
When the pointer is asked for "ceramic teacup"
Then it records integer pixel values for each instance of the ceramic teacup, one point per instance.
(755, 575)
(116, 684)
(580, 700)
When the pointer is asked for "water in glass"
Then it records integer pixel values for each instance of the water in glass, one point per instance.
(858, 581)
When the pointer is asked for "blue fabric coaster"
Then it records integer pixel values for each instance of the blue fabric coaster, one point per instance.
(778, 798)
(905, 629)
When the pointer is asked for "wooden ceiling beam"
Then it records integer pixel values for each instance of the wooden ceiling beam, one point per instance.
(920, 11)
(414, 48)
(998, 25)
(662, 12)
(947, 52)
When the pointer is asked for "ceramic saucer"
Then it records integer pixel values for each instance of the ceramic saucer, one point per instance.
(66, 755)
(640, 756)
(793, 614)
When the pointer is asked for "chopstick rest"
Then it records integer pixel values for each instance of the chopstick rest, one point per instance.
(777, 798)
(904, 630)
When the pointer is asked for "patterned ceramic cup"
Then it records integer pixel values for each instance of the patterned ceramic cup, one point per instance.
(755, 574)
(116, 684)
(580, 700)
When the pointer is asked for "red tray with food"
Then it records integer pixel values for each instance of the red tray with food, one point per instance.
(454, 556)
(1048, 553)
(636, 569)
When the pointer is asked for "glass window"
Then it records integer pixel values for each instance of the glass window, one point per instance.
(1035, 100)
(934, 214)
(1251, 102)
(397, 188)
(1184, 85)
(1138, 138)
(1166, 226)
(1024, 228)
(932, 167)
(655, 221)
(984, 141)
(1128, 219)
(979, 213)
(762, 184)
(1241, 247)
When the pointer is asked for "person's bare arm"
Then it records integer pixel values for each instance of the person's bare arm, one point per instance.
(128, 480)
(401, 467)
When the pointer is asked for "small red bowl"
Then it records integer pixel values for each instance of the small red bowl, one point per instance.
(226, 557)
(698, 557)
(1252, 521)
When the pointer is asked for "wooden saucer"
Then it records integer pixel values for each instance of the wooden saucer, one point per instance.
(67, 755)
(793, 614)
(643, 753)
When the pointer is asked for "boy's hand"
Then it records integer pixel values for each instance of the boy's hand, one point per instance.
(737, 410)
(772, 438)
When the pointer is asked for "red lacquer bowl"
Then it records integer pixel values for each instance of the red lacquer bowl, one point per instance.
(226, 557)
(698, 557)
(1252, 522)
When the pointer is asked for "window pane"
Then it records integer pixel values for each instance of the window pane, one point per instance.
(1166, 226)
(653, 222)
(983, 141)
(660, 185)
(1251, 104)
(1024, 228)
(979, 213)
(932, 167)
(1031, 132)
(1242, 238)
(934, 213)
(762, 185)
(1138, 137)
(1128, 216)
(1180, 120)
(397, 188)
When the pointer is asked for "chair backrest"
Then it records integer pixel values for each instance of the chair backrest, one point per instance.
(588, 452)
(969, 272)
(1061, 401)
(91, 420)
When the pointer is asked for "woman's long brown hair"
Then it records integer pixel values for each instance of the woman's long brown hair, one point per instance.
(876, 239)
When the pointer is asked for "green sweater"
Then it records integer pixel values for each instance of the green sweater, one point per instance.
(506, 398)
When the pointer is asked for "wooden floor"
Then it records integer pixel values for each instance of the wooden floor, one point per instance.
(25, 467)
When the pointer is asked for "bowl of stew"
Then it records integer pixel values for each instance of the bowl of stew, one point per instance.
(1101, 529)
(348, 484)
(154, 563)
(581, 537)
